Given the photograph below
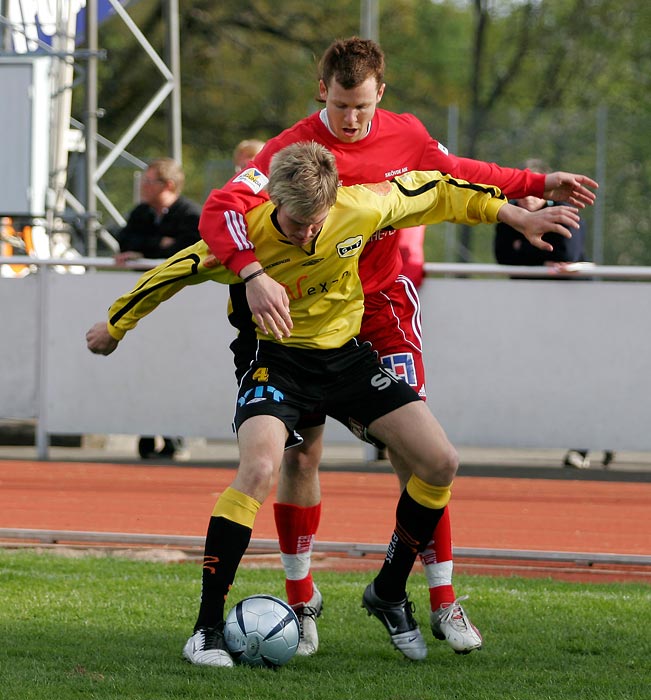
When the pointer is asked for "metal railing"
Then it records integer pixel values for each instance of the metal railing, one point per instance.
(351, 549)
(587, 271)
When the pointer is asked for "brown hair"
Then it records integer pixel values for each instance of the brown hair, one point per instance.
(351, 61)
(168, 169)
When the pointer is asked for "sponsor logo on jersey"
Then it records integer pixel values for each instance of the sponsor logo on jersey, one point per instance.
(402, 365)
(274, 264)
(443, 149)
(382, 233)
(350, 247)
(298, 290)
(396, 171)
(253, 179)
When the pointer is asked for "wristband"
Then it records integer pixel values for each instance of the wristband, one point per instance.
(253, 275)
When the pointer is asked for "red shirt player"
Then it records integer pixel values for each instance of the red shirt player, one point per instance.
(370, 145)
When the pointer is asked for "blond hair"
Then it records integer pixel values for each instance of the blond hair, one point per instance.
(303, 178)
(245, 151)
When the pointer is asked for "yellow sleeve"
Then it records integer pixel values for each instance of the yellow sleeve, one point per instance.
(192, 265)
(428, 197)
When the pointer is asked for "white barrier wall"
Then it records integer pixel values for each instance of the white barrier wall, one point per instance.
(540, 363)
(172, 375)
(510, 363)
(19, 333)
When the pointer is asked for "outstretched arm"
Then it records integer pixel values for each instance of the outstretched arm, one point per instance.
(570, 188)
(534, 224)
(190, 266)
(564, 187)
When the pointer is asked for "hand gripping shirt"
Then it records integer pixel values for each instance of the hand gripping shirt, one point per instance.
(321, 278)
(396, 143)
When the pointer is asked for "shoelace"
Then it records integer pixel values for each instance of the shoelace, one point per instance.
(410, 609)
(213, 638)
(454, 614)
(309, 611)
(306, 611)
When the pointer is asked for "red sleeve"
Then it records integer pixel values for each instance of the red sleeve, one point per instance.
(410, 244)
(223, 224)
(514, 183)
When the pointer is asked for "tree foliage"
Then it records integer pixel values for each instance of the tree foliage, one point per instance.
(528, 77)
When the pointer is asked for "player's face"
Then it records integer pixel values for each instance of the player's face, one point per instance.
(350, 111)
(151, 187)
(299, 231)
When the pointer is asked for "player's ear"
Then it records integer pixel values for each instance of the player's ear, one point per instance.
(323, 90)
(380, 91)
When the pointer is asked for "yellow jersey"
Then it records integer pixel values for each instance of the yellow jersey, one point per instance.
(321, 278)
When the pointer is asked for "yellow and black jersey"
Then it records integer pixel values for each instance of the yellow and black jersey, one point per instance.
(321, 278)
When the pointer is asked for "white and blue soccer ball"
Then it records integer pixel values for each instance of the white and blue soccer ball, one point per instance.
(262, 630)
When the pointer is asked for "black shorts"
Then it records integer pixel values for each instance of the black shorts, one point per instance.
(244, 349)
(348, 384)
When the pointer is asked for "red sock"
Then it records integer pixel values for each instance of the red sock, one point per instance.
(296, 527)
(437, 560)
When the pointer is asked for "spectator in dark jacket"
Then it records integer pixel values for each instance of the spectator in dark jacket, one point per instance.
(512, 248)
(162, 224)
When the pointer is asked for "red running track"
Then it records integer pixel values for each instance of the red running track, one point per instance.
(487, 512)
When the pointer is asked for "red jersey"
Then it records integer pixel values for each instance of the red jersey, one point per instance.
(395, 144)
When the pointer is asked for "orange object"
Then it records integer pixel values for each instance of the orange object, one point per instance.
(8, 249)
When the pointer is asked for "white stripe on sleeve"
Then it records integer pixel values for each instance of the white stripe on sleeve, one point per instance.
(237, 228)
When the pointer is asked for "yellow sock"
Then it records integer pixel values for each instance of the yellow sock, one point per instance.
(425, 494)
(236, 506)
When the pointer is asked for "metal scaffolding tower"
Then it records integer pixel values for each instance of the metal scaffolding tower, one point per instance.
(64, 35)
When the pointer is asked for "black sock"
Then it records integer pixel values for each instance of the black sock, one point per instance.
(226, 542)
(414, 526)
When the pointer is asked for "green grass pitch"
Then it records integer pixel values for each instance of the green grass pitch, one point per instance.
(102, 627)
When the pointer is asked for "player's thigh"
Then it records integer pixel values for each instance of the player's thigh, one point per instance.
(306, 456)
(261, 441)
(417, 443)
(298, 482)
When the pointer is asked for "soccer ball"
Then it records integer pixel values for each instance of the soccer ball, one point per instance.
(262, 631)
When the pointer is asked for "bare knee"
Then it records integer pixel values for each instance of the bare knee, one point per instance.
(438, 469)
(301, 462)
(256, 479)
(446, 466)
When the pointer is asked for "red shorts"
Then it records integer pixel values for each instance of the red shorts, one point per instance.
(392, 324)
